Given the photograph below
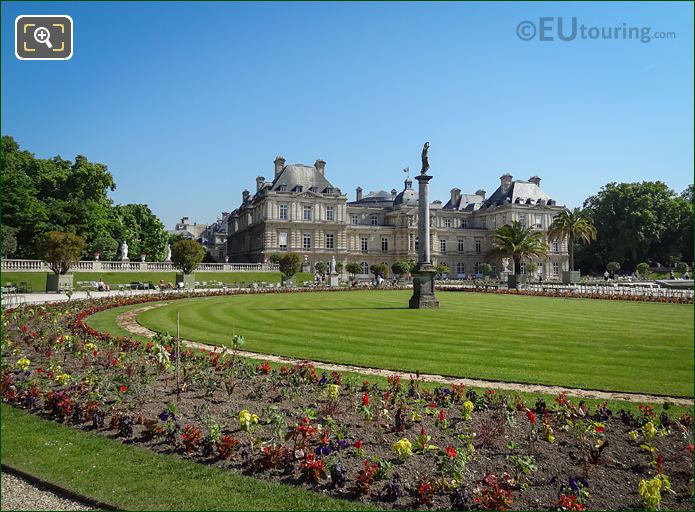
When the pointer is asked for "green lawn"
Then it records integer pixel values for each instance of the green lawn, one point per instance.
(134, 478)
(37, 280)
(613, 345)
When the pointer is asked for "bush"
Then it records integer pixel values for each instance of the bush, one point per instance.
(186, 255)
(401, 267)
(681, 267)
(643, 269)
(275, 258)
(321, 267)
(106, 246)
(531, 268)
(485, 269)
(289, 264)
(379, 269)
(60, 250)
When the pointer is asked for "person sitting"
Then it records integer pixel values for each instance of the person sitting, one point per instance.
(103, 287)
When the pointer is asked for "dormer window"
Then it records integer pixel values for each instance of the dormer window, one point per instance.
(282, 188)
(313, 189)
(298, 188)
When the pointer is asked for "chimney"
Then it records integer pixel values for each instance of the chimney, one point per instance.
(536, 180)
(279, 165)
(394, 192)
(245, 196)
(358, 193)
(455, 196)
(505, 182)
(480, 193)
(320, 166)
(260, 182)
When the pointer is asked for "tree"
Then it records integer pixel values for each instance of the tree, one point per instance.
(339, 267)
(275, 258)
(485, 269)
(613, 266)
(186, 255)
(321, 267)
(681, 267)
(379, 269)
(60, 250)
(442, 268)
(353, 268)
(290, 264)
(531, 268)
(643, 269)
(9, 241)
(516, 242)
(144, 232)
(400, 268)
(106, 246)
(572, 225)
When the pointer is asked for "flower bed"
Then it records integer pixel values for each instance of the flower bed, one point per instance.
(399, 447)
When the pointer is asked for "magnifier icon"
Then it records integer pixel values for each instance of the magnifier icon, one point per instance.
(43, 36)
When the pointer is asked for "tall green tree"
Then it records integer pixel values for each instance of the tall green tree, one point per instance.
(572, 225)
(186, 255)
(516, 242)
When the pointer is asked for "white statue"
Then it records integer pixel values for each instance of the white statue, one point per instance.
(505, 262)
(332, 265)
(168, 253)
(124, 251)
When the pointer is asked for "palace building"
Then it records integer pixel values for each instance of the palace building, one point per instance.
(300, 211)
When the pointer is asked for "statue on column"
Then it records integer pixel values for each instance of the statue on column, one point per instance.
(425, 158)
(168, 253)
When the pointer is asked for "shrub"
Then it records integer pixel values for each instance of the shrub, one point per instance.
(60, 250)
(379, 269)
(186, 255)
(275, 257)
(613, 266)
(681, 267)
(643, 269)
(321, 267)
(485, 269)
(353, 268)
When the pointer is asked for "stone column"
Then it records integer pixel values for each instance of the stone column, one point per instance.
(424, 272)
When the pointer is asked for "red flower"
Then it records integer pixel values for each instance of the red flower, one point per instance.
(432, 405)
(358, 444)
(600, 430)
(451, 452)
(691, 448)
(123, 389)
(442, 417)
(365, 399)
(531, 416)
(114, 362)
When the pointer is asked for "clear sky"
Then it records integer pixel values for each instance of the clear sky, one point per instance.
(188, 102)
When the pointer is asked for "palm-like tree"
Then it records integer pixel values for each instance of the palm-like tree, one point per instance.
(573, 225)
(516, 242)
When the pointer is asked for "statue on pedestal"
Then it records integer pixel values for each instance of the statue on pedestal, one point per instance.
(168, 253)
(505, 263)
(425, 158)
(124, 251)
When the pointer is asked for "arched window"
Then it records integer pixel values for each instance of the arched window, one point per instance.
(460, 268)
(365, 267)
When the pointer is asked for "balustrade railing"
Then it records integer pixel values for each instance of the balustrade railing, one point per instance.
(134, 266)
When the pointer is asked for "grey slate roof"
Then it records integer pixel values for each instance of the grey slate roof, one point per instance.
(466, 202)
(305, 176)
(520, 192)
(378, 197)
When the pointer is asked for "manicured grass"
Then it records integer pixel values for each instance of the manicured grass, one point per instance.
(134, 478)
(613, 345)
(37, 280)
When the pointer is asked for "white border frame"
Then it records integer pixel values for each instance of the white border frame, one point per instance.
(16, 35)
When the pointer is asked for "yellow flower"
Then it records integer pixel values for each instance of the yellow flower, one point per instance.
(90, 346)
(649, 429)
(247, 420)
(62, 378)
(333, 391)
(23, 364)
(634, 435)
(403, 448)
(467, 409)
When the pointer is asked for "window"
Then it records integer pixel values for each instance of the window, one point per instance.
(365, 267)
(417, 243)
(522, 268)
(464, 223)
(283, 212)
(329, 213)
(477, 267)
(330, 241)
(282, 188)
(504, 219)
(282, 240)
(460, 268)
(460, 245)
(306, 243)
(307, 213)
(363, 244)
(483, 222)
(477, 246)
(556, 246)
(375, 220)
(539, 221)
(384, 245)
(556, 269)
(522, 221)
(442, 246)
(354, 219)
(298, 188)
(447, 223)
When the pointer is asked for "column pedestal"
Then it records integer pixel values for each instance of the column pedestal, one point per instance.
(423, 287)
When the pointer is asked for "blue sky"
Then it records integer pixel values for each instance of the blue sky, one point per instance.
(188, 102)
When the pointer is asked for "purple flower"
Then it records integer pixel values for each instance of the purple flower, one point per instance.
(578, 483)
(342, 443)
(164, 416)
(324, 379)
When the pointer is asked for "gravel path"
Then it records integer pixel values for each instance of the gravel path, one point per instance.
(128, 321)
(18, 494)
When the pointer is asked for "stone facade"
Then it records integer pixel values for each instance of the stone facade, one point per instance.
(301, 211)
